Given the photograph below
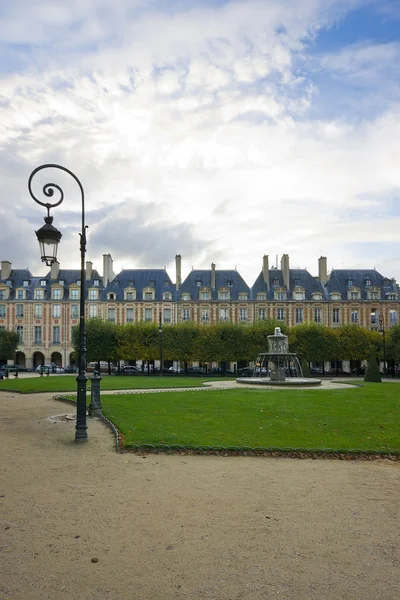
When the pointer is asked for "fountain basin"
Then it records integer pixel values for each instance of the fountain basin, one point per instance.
(290, 383)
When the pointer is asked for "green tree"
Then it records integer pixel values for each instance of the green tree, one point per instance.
(372, 373)
(354, 342)
(139, 341)
(9, 341)
(312, 342)
(101, 340)
(393, 344)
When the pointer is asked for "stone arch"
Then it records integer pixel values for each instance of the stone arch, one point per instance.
(38, 359)
(56, 358)
(72, 360)
(20, 359)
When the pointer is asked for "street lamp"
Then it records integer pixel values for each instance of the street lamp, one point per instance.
(382, 330)
(160, 331)
(49, 238)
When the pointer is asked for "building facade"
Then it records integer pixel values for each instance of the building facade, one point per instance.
(43, 310)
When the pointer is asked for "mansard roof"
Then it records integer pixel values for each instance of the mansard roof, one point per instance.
(297, 278)
(339, 281)
(201, 278)
(139, 279)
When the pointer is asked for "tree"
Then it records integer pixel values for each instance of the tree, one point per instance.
(9, 341)
(393, 344)
(372, 372)
(101, 340)
(138, 341)
(354, 342)
(312, 342)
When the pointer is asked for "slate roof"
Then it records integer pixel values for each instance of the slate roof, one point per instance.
(140, 279)
(339, 278)
(230, 279)
(69, 276)
(297, 277)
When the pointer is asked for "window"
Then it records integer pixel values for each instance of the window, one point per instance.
(242, 314)
(205, 314)
(391, 296)
(2, 295)
(280, 296)
(317, 315)
(74, 294)
(336, 316)
(9, 282)
(25, 283)
(92, 294)
(92, 311)
(185, 296)
(275, 282)
(2, 311)
(261, 314)
(280, 314)
(393, 316)
(111, 296)
(20, 331)
(148, 295)
(56, 334)
(186, 314)
(205, 296)
(57, 294)
(354, 317)
(367, 282)
(20, 311)
(317, 296)
(74, 311)
(354, 296)
(299, 315)
(111, 315)
(38, 334)
(198, 283)
(38, 294)
(38, 311)
(56, 311)
(148, 315)
(223, 295)
(43, 282)
(167, 315)
(129, 296)
(224, 314)
(167, 296)
(96, 282)
(242, 296)
(129, 315)
(61, 282)
(230, 283)
(298, 295)
(349, 282)
(335, 296)
(20, 294)
(373, 318)
(261, 297)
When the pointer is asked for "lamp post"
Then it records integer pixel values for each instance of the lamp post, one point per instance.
(160, 332)
(49, 238)
(382, 330)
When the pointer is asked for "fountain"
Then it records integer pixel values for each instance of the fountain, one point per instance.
(278, 366)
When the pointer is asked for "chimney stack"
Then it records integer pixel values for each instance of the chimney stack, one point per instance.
(178, 270)
(212, 276)
(323, 270)
(266, 270)
(108, 273)
(89, 269)
(285, 270)
(5, 269)
(54, 270)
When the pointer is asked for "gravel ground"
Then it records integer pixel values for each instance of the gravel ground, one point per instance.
(82, 522)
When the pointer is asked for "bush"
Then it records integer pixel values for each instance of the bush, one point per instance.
(305, 369)
(372, 373)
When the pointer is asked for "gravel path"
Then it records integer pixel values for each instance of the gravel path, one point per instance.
(82, 522)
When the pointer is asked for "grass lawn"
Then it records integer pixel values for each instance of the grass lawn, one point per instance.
(67, 383)
(365, 418)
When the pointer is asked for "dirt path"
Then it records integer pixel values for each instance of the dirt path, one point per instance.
(174, 527)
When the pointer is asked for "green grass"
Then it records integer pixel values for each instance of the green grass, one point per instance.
(67, 383)
(363, 418)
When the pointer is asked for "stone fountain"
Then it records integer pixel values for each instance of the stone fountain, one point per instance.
(278, 366)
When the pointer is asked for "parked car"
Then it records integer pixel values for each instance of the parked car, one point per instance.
(70, 369)
(15, 368)
(337, 371)
(49, 369)
(219, 371)
(245, 372)
(130, 370)
(196, 371)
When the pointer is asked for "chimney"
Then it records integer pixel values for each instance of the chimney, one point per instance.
(266, 270)
(54, 270)
(285, 270)
(89, 269)
(5, 269)
(178, 270)
(108, 273)
(323, 270)
(212, 276)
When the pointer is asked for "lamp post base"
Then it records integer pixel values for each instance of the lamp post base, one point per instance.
(81, 435)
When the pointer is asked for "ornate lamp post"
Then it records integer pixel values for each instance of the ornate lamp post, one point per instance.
(49, 238)
(160, 331)
(382, 330)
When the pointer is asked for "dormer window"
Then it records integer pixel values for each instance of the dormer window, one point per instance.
(167, 296)
(391, 296)
(152, 282)
(43, 282)
(56, 294)
(297, 282)
(261, 297)
(78, 282)
(25, 283)
(74, 294)
(38, 294)
(198, 283)
(185, 297)
(367, 282)
(96, 282)
(61, 282)
(20, 294)
(317, 296)
(166, 283)
(275, 282)
(148, 294)
(298, 294)
(242, 296)
(280, 294)
(111, 296)
(349, 282)
(230, 283)
(205, 295)
(223, 294)
(9, 282)
(92, 294)
(129, 296)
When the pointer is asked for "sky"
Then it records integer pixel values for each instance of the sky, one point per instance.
(220, 130)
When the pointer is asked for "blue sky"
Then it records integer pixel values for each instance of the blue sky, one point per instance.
(221, 131)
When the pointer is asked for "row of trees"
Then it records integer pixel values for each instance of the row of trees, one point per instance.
(225, 342)
(9, 341)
